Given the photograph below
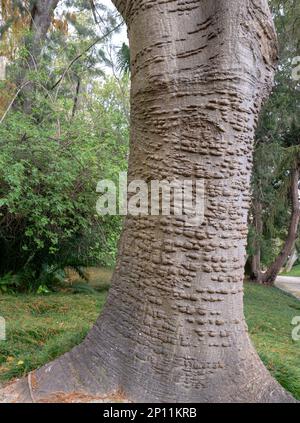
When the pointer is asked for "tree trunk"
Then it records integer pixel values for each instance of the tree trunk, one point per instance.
(291, 260)
(270, 275)
(255, 258)
(3, 63)
(173, 327)
(41, 16)
(76, 96)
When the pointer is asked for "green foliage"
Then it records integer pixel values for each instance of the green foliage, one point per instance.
(48, 177)
(8, 283)
(271, 188)
(66, 129)
(277, 144)
(123, 59)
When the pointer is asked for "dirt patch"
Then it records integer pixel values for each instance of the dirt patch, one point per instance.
(19, 391)
(78, 397)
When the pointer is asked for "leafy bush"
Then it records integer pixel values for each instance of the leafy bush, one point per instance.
(8, 283)
(48, 179)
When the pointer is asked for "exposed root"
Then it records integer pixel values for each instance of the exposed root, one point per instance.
(22, 391)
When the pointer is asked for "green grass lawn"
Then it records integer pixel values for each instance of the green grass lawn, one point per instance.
(295, 271)
(39, 328)
(269, 313)
(42, 327)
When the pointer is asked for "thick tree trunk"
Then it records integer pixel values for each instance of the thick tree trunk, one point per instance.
(173, 327)
(270, 275)
(41, 16)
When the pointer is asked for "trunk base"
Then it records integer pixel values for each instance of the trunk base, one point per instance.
(62, 381)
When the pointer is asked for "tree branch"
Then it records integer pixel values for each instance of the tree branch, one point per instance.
(84, 52)
(13, 100)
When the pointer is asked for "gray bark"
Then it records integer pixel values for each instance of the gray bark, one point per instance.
(76, 96)
(291, 260)
(255, 259)
(41, 16)
(173, 327)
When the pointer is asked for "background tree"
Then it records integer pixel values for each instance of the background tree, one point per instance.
(52, 158)
(275, 207)
(31, 19)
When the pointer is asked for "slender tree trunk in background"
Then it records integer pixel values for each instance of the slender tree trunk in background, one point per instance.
(173, 327)
(255, 259)
(3, 63)
(270, 275)
(75, 102)
(41, 16)
(292, 260)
